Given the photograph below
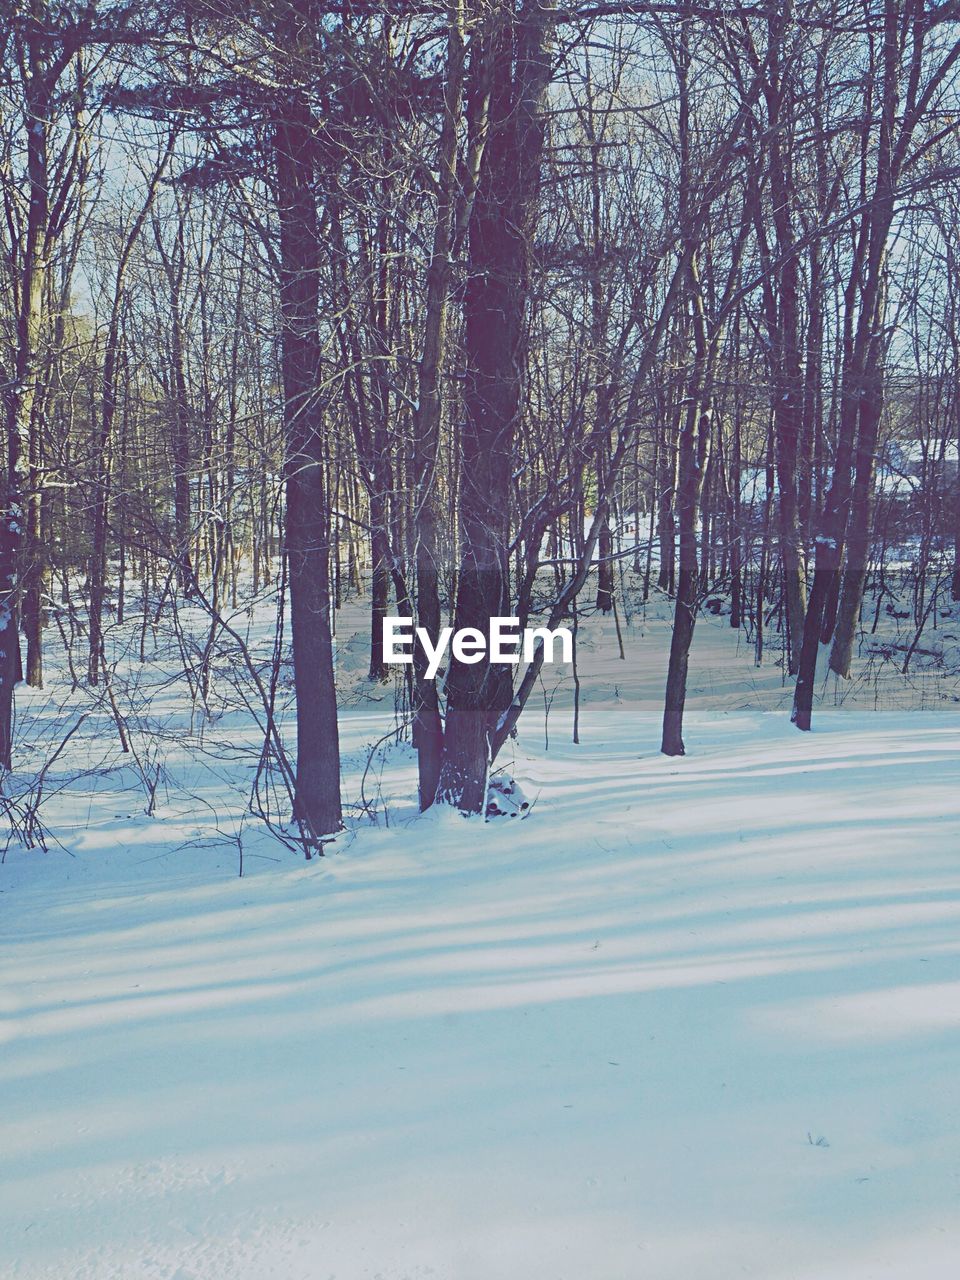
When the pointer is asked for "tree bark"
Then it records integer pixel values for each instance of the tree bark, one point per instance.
(427, 723)
(21, 393)
(307, 526)
(494, 308)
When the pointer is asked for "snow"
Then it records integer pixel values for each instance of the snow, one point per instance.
(691, 1017)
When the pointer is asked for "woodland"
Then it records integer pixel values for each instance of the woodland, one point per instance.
(325, 323)
(474, 309)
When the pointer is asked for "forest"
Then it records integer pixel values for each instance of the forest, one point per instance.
(475, 310)
(638, 321)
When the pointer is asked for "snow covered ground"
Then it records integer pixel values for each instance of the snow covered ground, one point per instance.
(692, 1018)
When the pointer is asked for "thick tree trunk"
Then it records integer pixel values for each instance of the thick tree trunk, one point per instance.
(494, 308)
(427, 724)
(307, 527)
(21, 395)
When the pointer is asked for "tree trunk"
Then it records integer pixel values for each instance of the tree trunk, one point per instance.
(35, 571)
(427, 724)
(494, 308)
(307, 530)
(21, 395)
(693, 454)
